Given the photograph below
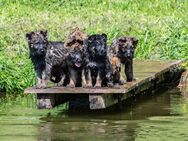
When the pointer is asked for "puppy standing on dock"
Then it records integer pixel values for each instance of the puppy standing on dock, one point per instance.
(123, 48)
(76, 57)
(49, 59)
(116, 69)
(98, 71)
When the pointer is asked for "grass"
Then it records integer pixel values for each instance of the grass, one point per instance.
(25, 105)
(160, 25)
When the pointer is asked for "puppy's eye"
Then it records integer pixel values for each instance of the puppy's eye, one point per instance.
(89, 41)
(32, 46)
(71, 55)
(80, 42)
(35, 43)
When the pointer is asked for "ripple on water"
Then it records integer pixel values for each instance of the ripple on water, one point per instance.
(157, 117)
(163, 128)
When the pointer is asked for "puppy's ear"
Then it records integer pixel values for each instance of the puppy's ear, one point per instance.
(44, 33)
(29, 35)
(90, 39)
(104, 36)
(76, 29)
(122, 39)
(135, 41)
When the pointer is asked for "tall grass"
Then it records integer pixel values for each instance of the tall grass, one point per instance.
(160, 25)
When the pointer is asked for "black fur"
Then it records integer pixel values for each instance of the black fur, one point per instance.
(98, 71)
(56, 63)
(48, 58)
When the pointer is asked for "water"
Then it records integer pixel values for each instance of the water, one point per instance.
(163, 116)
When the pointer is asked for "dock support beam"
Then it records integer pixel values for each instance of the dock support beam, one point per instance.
(45, 101)
(48, 101)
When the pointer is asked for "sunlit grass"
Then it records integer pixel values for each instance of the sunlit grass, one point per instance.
(161, 27)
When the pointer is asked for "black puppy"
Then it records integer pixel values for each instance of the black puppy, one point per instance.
(98, 70)
(49, 59)
(124, 48)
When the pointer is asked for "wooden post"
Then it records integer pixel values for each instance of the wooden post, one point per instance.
(49, 100)
(45, 101)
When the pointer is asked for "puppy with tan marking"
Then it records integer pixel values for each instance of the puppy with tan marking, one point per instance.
(123, 48)
(76, 57)
(116, 70)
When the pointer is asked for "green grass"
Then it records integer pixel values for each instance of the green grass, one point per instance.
(160, 25)
(25, 105)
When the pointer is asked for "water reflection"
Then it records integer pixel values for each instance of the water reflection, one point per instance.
(163, 116)
(142, 116)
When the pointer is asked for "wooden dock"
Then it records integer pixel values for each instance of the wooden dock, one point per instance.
(150, 75)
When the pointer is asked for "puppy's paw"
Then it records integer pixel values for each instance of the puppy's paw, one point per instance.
(39, 86)
(134, 79)
(87, 86)
(111, 85)
(97, 86)
(43, 86)
(122, 82)
(60, 84)
(116, 85)
(70, 86)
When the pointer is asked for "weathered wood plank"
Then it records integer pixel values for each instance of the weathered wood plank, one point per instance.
(144, 71)
(183, 83)
(102, 101)
(149, 74)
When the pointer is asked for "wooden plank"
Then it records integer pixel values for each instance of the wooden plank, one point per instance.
(144, 71)
(168, 78)
(149, 74)
(183, 80)
(183, 83)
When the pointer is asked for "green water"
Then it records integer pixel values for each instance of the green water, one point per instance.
(163, 116)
